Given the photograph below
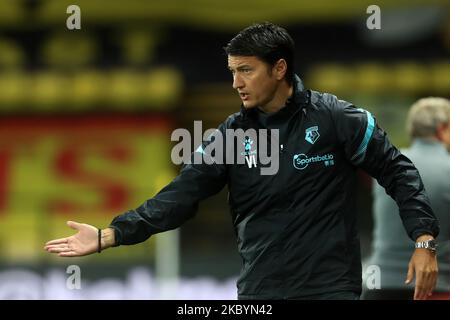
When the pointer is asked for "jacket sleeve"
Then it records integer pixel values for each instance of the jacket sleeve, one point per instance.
(174, 204)
(367, 146)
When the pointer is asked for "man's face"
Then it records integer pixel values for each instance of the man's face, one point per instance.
(254, 80)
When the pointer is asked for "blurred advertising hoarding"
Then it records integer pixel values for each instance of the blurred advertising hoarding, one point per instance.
(87, 169)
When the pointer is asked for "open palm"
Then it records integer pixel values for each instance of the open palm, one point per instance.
(80, 244)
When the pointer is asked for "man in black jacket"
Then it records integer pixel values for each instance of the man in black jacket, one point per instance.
(296, 229)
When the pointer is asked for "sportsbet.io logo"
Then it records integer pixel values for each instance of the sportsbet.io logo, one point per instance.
(301, 161)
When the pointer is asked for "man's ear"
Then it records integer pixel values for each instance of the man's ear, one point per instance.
(440, 131)
(280, 69)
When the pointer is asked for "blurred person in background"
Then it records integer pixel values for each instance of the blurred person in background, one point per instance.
(428, 126)
(296, 229)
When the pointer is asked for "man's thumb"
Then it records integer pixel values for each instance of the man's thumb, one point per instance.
(74, 225)
(410, 275)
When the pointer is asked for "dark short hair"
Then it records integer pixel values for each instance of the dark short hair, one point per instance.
(266, 41)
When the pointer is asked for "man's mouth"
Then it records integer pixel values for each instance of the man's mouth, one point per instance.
(244, 96)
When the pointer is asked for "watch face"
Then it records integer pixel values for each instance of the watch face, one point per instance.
(432, 244)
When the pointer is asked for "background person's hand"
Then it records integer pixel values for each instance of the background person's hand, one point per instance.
(84, 242)
(424, 264)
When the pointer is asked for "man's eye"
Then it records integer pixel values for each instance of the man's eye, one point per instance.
(246, 70)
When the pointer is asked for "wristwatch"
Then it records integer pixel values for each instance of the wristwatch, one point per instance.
(429, 244)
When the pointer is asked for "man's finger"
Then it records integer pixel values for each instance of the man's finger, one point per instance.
(410, 275)
(59, 249)
(56, 241)
(74, 225)
(431, 277)
(433, 280)
(56, 246)
(424, 284)
(432, 289)
(418, 291)
(69, 254)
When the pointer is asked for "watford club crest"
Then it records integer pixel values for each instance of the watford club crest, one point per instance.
(312, 134)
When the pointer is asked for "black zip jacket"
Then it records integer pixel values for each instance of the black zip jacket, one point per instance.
(296, 230)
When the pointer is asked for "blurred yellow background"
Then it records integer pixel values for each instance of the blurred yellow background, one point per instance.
(86, 115)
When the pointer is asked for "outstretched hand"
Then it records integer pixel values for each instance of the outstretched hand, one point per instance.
(84, 242)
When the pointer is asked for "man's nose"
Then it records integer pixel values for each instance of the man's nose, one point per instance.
(237, 81)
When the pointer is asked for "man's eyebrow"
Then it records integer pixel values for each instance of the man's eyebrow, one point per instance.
(241, 67)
